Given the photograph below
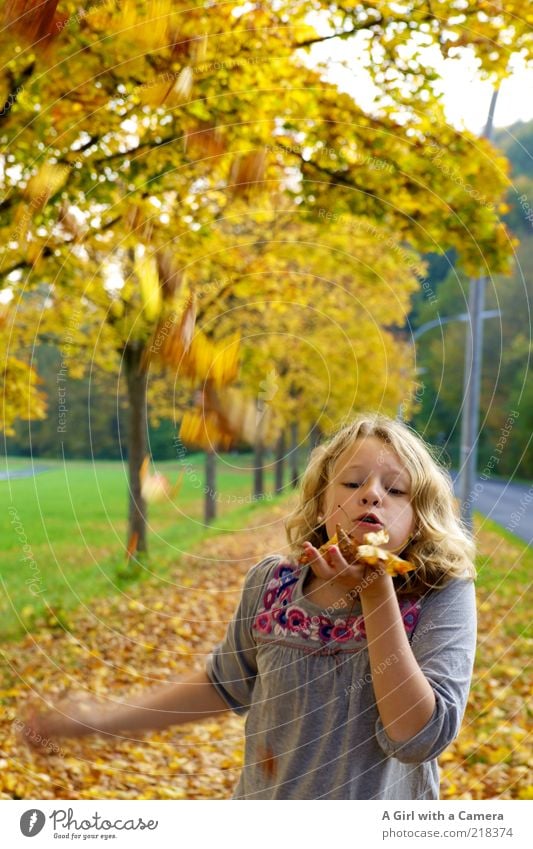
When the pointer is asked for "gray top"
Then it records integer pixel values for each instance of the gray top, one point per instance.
(302, 677)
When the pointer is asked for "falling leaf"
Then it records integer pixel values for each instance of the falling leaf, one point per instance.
(247, 171)
(155, 488)
(147, 274)
(183, 85)
(132, 545)
(45, 183)
(37, 23)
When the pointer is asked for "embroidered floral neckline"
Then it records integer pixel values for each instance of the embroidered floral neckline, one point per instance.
(281, 616)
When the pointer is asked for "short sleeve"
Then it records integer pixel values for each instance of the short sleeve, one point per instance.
(231, 666)
(444, 644)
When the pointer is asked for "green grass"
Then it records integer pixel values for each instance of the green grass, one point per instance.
(72, 518)
(505, 565)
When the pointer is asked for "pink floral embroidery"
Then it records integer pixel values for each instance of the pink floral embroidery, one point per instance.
(263, 623)
(297, 619)
(282, 618)
(410, 612)
(341, 632)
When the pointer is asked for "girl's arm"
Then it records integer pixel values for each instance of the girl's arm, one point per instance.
(172, 704)
(405, 698)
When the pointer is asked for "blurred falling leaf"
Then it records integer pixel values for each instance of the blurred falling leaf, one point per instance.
(205, 141)
(148, 276)
(45, 183)
(132, 545)
(247, 171)
(36, 23)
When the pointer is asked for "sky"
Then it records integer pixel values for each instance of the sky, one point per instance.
(466, 97)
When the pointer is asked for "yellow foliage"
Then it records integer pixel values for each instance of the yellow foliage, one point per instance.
(146, 271)
(20, 395)
(45, 183)
(203, 430)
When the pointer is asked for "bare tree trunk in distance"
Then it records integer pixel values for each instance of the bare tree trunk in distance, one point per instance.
(280, 459)
(210, 500)
(136, 379)
(259, 486)
(293, 455)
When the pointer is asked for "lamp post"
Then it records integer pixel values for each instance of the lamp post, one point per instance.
(438, 322)
(472, 375)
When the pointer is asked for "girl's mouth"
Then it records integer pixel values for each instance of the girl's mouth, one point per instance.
(368, 524)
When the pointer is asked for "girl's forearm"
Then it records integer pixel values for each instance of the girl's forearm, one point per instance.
(172, 704)
(404, 696)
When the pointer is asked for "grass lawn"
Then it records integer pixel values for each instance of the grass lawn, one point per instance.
(70, 523)
(505, 564)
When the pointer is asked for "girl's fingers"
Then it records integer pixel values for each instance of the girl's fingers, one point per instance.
(319, 564)
(331, 564)
(340, 565)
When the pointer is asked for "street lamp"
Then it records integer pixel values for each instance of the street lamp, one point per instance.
(472, 373)
(436, 322)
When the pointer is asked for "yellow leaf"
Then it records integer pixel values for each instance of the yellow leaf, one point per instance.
(45, 183)
(526, 792)
(499, 755)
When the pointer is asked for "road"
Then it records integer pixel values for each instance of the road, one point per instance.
(509, 504)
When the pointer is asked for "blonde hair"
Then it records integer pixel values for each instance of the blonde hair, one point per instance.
(441, 547)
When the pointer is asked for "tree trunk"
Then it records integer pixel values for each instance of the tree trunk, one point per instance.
(314, 436)
(293, 454)
(210, 501)
(136, 379)
(280, 457)
(259, 487)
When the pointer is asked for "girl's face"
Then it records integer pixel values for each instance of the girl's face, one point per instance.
(369, 478)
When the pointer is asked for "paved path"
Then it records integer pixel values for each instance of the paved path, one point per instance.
(509, 504)
(23, 473)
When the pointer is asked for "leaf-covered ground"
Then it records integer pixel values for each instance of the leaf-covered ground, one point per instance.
(164, 629)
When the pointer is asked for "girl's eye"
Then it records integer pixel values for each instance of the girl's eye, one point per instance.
(392, 490)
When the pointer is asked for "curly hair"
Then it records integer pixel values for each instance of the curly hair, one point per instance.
(441, 547)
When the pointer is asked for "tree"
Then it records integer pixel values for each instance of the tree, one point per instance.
(507, 339)
(130, 194)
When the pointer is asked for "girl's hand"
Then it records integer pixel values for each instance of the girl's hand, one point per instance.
(72, 717)
(354, 578)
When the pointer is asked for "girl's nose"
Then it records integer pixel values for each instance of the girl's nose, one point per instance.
(370, 493)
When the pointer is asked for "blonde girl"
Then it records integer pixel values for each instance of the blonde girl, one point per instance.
(352, 681)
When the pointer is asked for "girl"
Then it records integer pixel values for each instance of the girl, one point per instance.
(353, 681)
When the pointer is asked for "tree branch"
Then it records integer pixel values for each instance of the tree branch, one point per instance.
(16, 86)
